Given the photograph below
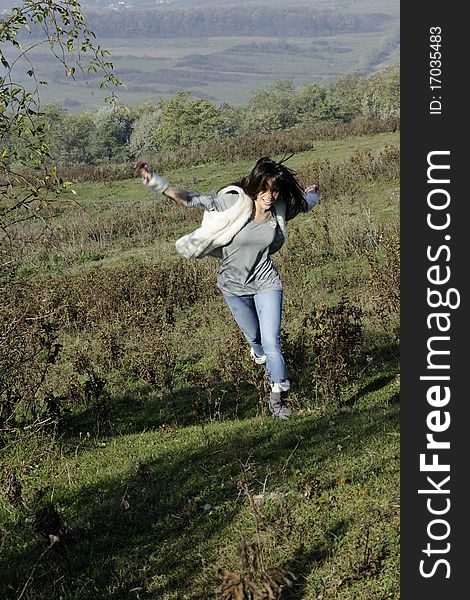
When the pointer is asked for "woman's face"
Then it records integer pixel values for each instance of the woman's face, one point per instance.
(266, 198)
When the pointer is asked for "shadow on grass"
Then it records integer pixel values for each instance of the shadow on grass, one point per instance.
(375, 385)
(148, 409)
(165, 508)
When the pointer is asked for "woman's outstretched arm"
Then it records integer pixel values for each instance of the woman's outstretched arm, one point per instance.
(159, 185)
(312, 196)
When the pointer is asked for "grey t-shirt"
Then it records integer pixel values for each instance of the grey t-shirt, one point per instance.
(246, 266)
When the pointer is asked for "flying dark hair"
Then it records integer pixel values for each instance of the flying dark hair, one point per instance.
(269, 174)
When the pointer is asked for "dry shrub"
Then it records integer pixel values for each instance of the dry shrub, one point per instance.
(297, 139)
(134, 296)
(384, 272)
(29, 346)
(380, 247)
(12, 488)
(94, 230)
(153, 360)
(235, 366)
(327, 344)
(253, 581)
(342, 178)
(205, 405)
(103, 172)
(51, 525)
(94, 388)
(114, 311)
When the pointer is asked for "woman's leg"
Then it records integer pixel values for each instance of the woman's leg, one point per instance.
(244, 312)
(259, 318)
(269, 308)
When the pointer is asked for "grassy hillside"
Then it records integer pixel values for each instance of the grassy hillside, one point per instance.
(90, 229)
(151, 459)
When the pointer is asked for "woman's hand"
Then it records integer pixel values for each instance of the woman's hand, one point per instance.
(312, 196)
(144, 171)
(312, 188)
(159, 185)
(154, 182)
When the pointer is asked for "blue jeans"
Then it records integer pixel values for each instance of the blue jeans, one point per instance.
(259, 318)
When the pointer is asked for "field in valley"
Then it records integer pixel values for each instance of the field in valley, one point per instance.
(222, 68)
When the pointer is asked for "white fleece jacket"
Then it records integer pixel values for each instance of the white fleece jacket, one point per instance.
(218, 228)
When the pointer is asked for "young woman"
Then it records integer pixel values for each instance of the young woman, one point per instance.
(244, 225)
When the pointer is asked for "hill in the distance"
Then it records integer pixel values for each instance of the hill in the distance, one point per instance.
(223, 51)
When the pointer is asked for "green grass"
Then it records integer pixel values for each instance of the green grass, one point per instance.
(163, 510)
(207, 178)
(159, 493)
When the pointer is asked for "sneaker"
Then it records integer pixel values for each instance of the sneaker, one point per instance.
(282, 386)
(259, 360)
(278, 406)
